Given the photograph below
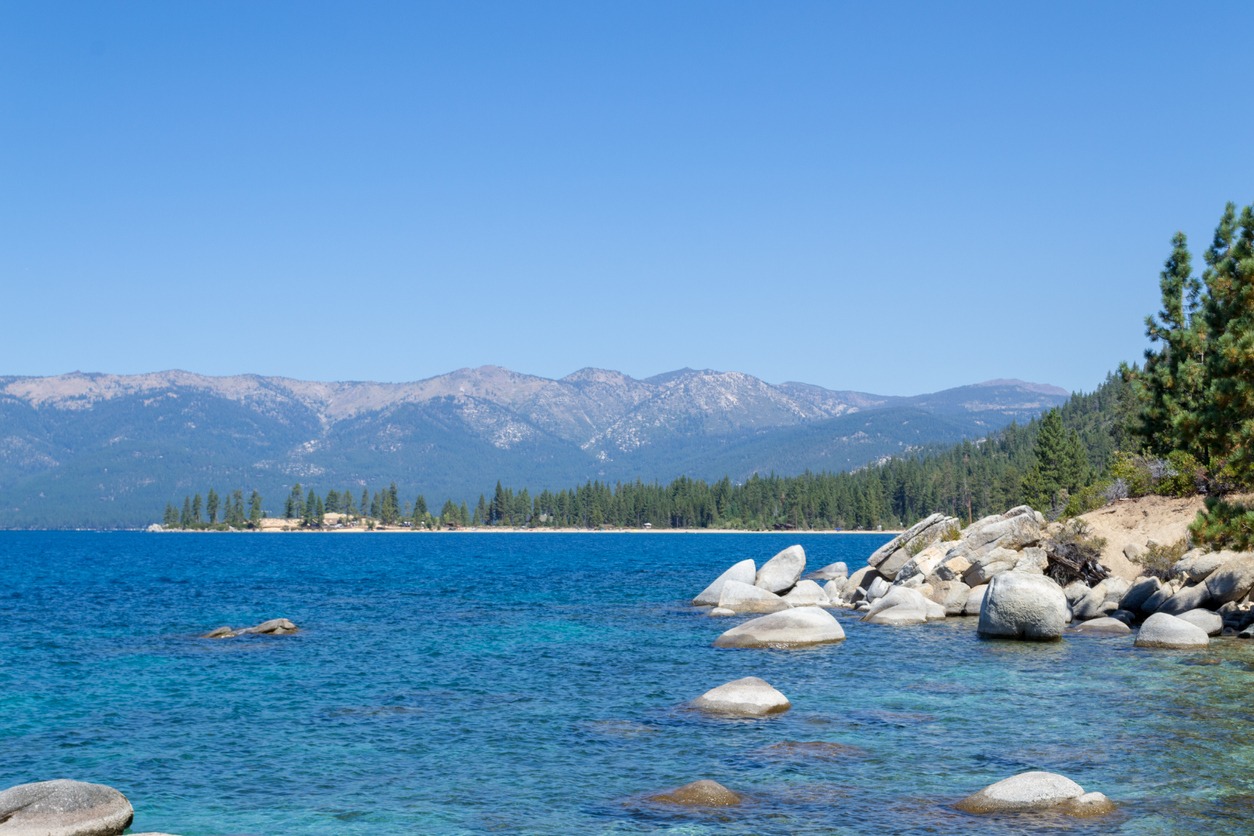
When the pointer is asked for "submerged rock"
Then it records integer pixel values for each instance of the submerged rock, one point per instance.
(796, 627)
(1034, 792)
(64, 808)
(744, 571)
(747, 697)
(703, 793)
(273, 627)
(1022, 606)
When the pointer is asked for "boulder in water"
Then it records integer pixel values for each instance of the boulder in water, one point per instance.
(747, 697)
(1163, 630)
(744, 571)
(1022, 606)
(807, 594)
(704, 793)
(64, 808)
(741, 597)
(1033, 792)
(781, 572)
(796, 627)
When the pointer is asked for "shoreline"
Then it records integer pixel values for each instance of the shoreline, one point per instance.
(506, 530)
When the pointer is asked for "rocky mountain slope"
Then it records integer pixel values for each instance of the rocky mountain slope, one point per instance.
(103, 450)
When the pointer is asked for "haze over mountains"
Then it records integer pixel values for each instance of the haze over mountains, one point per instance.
(101, 450)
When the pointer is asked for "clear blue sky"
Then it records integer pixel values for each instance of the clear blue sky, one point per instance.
(893, 197)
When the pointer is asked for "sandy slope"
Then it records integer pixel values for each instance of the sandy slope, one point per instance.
(1149, 519)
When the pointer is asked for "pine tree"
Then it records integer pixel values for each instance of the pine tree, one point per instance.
(211, 506)
(254, 510)
(1173, 381)
(197, 505)
(1060, 467)
(171, 518)
(1227, 420)
(185, 519)
(310, 517)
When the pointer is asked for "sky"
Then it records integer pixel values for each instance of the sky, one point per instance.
(893, 197)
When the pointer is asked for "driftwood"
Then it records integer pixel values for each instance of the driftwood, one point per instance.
(1069, 562)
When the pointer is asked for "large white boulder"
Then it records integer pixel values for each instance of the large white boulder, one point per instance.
(795, 627)
(742, 597)
(1188, 598)
(747, 697)
(1035, 791)
(1022, 606)
(903, 605)
(1211, 622)
(64, 808)
(781, 572)
(1233, 580)
(830, 572)
(1163, 630)
(807, 594)
(744, 571)
(1197, 565)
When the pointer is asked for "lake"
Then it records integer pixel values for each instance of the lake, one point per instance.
(535, 683)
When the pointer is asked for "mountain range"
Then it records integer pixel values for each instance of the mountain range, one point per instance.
(103, 450)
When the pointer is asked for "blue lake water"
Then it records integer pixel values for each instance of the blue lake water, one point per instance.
(534, 683)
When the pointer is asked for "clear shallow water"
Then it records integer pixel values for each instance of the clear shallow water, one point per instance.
(534, 683)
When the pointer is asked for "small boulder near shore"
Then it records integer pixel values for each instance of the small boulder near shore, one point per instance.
(1168, 631)
(273, 627)
(64, 808)
(747, 697)
(1036, 792)
(703, 793)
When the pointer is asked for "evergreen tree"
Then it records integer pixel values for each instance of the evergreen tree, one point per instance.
(254, 510)
(333, 501)
(310, 517)
(211, 506)
(197, 505)
(295, 503)
(1173, 381)
(346, 503)
(1060, 467)
(185, 519)
(171, 518)
(1227, 420)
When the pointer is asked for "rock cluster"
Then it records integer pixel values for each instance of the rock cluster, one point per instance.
(1213, 591)
(273, 627)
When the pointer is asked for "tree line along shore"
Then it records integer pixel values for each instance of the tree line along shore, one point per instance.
(1178, 425)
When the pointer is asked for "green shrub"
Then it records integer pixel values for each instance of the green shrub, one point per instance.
(1134, 472)
(1087, 499)
(1158, 559)
(1181, 475)
(952, 533)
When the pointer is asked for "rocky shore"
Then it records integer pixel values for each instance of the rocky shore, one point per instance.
(1019, 577)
